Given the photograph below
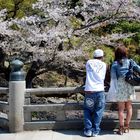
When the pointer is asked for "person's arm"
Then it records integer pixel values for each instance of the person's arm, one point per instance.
(107, 78)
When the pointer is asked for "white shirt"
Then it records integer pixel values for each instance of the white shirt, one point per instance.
(95, 75)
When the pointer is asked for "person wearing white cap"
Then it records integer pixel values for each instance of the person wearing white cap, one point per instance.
(94, 102)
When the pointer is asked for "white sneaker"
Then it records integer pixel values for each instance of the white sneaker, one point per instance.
(95, 134)
(88, 133)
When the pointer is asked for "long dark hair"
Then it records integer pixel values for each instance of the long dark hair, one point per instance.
(120, 53)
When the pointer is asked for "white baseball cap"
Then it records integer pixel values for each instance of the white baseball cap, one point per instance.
(98, 53)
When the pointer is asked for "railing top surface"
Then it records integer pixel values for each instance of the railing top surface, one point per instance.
(137, 88)
(53, 90)
(4, 90)
(61, 90)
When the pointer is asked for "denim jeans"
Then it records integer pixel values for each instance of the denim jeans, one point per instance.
(94, 104)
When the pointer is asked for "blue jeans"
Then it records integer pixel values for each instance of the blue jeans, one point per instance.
(94, 104)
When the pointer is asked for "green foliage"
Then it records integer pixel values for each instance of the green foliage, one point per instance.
(123, 27)
(75, 23)
(14, 27)
(133, 52)
(17, 8)
(98, 31)
(72, 42)
(75, 40)
(137, 58)
(137, 38)
(130, 26)
(133, 42)
(127, 41)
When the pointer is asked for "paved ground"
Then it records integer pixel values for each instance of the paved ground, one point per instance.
(67, 135)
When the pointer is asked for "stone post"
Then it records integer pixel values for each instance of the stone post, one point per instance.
(16, 96)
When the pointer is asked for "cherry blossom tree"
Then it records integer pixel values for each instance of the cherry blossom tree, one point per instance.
(47, 35)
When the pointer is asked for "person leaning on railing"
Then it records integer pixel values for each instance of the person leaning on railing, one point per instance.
(94, 102)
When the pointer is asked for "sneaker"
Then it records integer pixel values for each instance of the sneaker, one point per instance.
(88, 133)
(95, 134)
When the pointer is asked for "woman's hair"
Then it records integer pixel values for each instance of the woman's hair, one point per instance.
(120, 53)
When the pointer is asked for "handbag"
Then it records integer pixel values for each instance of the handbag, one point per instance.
(132, 76)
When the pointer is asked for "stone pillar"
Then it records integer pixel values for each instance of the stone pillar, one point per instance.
(16, 96)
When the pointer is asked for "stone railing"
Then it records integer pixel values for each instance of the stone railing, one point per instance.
(20, 110)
